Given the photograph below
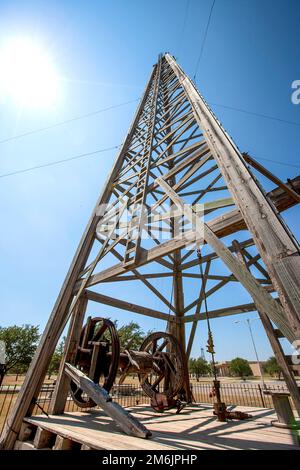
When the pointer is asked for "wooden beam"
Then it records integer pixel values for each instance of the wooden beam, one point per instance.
(211, 256)
(59, 316)
(185, 177)
(43, 438)
(143, 278)
(211, 291)
(199, 208)
(136, 278)
(123, 305)
(233, 221)
(263, 299)
(222, 312)
(127, 422)
(271, 177)
(223, 225)
(178, 330)
(62, 443)
(279, 250)
(146, 256)
(198, 308)
(226, 155)
(276, 346)
(253, 260)
(198, 154)
(60, 394)
(105, 246)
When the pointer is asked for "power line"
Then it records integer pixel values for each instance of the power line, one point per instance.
(204, 38)
(88, 154)
(93, 113)
(278, 162)
(77, 118)
(57, 162)
(265, 116)
(186, 12)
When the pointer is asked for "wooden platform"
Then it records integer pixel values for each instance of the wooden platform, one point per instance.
(194, 428)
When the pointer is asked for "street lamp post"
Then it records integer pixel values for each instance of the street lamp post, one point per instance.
(255, 350)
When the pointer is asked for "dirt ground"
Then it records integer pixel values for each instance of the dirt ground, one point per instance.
(13, 379)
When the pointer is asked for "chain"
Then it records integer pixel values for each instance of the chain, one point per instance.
(210, 341)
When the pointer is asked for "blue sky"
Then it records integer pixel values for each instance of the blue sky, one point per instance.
(103, 52)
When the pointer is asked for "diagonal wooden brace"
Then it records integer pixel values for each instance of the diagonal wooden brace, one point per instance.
(262, 299)
(127, 422)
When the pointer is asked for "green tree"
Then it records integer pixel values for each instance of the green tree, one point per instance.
(131, 335)
(20, 345)
(56, 358)
(240, 367)
(272, 368)
(199, 367)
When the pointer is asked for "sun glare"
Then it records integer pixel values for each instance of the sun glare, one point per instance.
(27, 75)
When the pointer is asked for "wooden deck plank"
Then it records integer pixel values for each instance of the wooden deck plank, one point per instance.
(94, 430)
(194, 428)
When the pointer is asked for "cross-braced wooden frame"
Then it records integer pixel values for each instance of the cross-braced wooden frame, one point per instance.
(178, 164)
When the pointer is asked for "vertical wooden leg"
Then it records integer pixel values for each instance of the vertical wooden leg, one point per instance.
(276, 346)
(60, 394)
(42, 438)
(180, 327)
(61, 443)
(282, 361)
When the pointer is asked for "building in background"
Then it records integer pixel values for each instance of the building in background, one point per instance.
(223, 368)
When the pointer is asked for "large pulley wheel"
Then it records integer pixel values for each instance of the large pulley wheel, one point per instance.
(167, 374)
(97, 357)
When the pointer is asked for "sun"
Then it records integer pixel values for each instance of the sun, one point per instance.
(27, 74)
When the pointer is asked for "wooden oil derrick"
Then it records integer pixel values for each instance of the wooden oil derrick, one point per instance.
(177, 162)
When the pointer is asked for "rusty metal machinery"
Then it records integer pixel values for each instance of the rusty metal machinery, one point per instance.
(159, 364)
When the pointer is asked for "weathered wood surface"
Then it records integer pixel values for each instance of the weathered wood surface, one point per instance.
(262, 299)
(175, 128)
(42, 438)
(60, 312)
(125, 420)
(276, 346)
(62, 443)
(272, 238)
(20, 445)
(123, 305)
(195, 428)
(222, 312)
(59, 397)
(223, 225)
(264, 171)
(25, 433)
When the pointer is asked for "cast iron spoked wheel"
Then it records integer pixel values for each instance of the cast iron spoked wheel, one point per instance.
(167, 376)
(106, 362)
